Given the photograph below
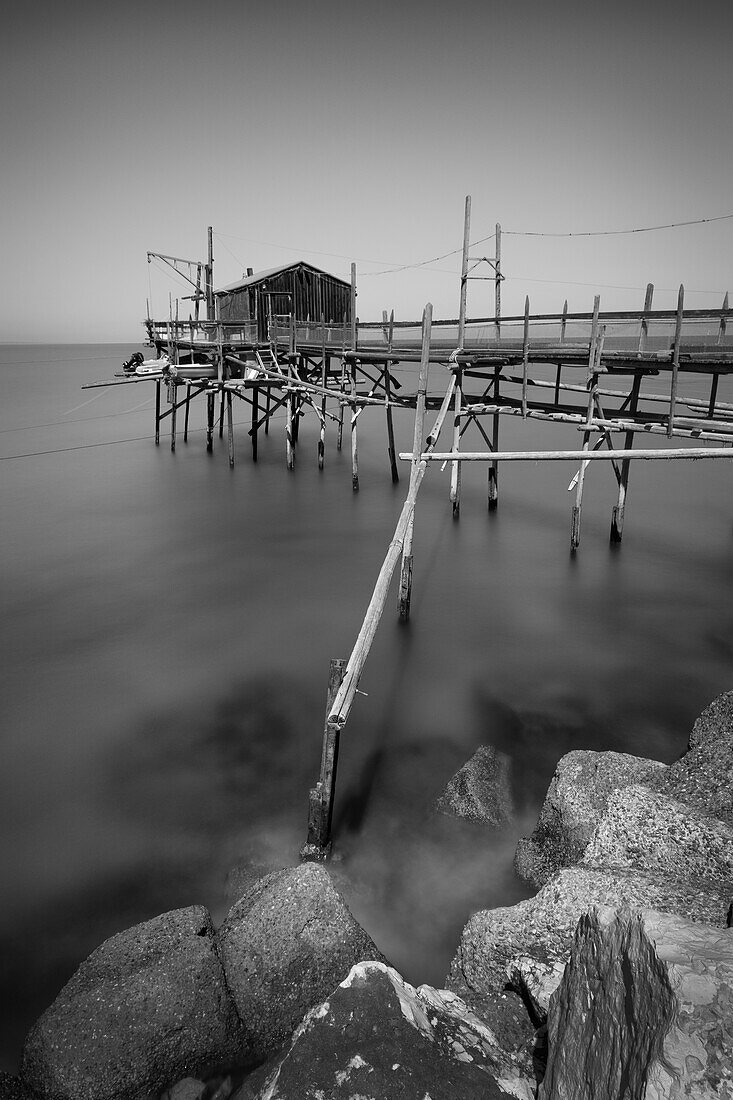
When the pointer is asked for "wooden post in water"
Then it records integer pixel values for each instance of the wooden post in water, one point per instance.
(617, 516)
(230, 429)
(254, 425)
(320, 802)
(186, 414)
(403, 605)
(676, 359)
(289, 437)
(157, 411)
(388, 399)
(455, 475)
(493, 488)
(210, 415)
(354, 444)
(324, 380)
(594, 362)
(342, 388)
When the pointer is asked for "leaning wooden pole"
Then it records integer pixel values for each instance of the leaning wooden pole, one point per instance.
(417, 444)
(320, 801)
(676, 358)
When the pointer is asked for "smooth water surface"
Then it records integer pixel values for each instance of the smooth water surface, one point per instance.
(167, 625)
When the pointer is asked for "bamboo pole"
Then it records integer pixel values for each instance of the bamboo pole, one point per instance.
(676, 358)
(405, 592)
(660, 453)
(347, 691)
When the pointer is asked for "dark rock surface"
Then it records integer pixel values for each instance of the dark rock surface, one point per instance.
(481, 790)
(716, 719)
(610, 1014)
(377, 1036)
(284, 946)
(12, 1088)
(702, 777)
(644, 1009)
(542, 927)
(576, 801)
(651, 832)
(147, 1008)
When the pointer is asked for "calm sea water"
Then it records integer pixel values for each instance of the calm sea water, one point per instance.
(167, 626)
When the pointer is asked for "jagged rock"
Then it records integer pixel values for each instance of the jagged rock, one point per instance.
(576, 801)
(481, 790)
(536, 981)
(147, 1008)
(284, 946)
(378, 1036)
(701, 777)
(12, 1088)
(717, 718)
(542, 927)
(643, 1010)
(660, 835)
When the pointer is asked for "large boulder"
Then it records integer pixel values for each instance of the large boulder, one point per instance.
(481, 790)
(541, 928)
(576, 801)
(657, 834)
(376, 1036)
(643, 1010)
(717, 718)
(148, 1007)
(284, 946)
(702, 777)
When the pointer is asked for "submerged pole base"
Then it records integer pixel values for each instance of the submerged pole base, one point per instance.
(617, 525)
(575, 529)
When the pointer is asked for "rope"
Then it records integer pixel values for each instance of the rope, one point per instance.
(616, 232)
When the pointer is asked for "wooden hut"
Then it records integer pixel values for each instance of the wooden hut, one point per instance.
(296, 288)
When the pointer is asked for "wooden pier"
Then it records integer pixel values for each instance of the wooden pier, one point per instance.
(610, 375)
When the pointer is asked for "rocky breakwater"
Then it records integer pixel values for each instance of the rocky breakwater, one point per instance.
(621, 834)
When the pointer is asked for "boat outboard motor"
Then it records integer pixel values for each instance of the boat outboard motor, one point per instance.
(133, 362)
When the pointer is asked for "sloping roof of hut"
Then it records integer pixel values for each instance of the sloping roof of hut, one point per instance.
(261, 276)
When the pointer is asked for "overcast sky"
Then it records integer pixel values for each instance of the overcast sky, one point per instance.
(338, 132)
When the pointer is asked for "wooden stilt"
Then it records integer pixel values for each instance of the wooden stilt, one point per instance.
(157, 411)
(493, 489)
(342, 387)
(230, 429)
(174, 408)
(289, 440)
(525, 355)
(675, 359)
(617, 516)
(455, 474)
(388, 401)
(221, 413)
(405, 592)
(354, 441)
(188, 410)
(320, 804)
(268, 399)
(594, 356)
(324, 380)
(210, 412)
(255, 394)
